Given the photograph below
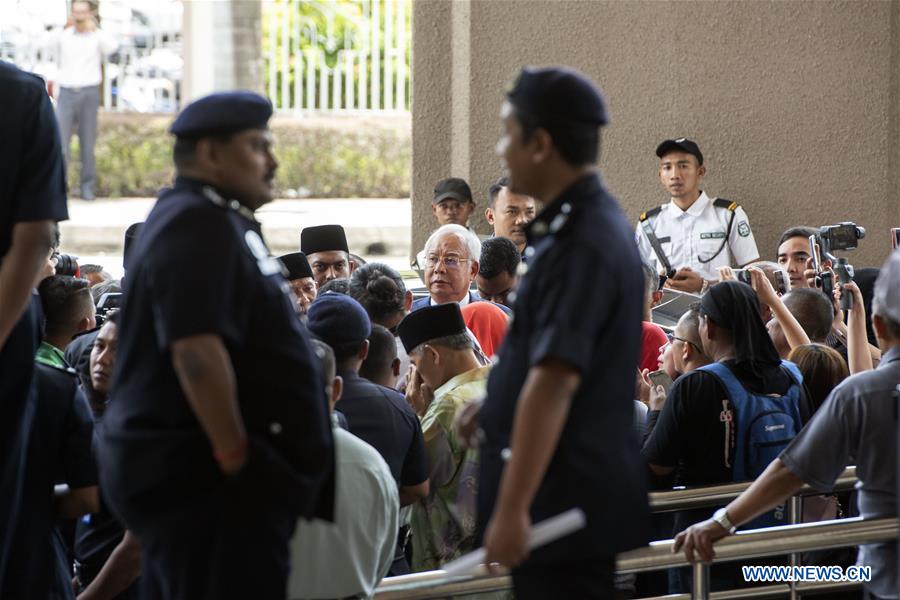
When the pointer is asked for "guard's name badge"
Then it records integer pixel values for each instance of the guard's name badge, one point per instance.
(267, 265)
(744, 229)
(712, 235)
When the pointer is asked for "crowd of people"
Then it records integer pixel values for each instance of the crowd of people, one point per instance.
(224, 423)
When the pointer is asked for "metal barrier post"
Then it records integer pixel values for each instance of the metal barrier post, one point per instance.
(795, 515)
(700, 589)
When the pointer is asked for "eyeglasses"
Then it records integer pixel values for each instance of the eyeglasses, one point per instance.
(451, 262)
(696, 347)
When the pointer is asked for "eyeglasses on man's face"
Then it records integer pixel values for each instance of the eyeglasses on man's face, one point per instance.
(451, 261)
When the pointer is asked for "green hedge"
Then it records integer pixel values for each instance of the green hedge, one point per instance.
(343, 157)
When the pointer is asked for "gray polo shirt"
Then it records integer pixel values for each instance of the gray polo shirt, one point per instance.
(857, 424)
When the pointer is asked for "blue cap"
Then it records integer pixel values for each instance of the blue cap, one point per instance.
(338, 318)
(558, 96)
(222, 114)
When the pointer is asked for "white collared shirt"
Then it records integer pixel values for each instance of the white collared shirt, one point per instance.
(687, 236)
(349, 556)
(80, 56)
(461, 303)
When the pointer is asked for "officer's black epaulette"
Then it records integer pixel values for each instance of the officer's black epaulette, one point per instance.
(726, 204)
(650, 213)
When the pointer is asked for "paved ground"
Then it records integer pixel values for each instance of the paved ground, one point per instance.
(95, 229)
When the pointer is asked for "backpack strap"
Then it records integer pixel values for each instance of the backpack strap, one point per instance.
(654, 241)
(726, 378)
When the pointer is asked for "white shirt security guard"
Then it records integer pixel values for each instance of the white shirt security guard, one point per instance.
(695, 234)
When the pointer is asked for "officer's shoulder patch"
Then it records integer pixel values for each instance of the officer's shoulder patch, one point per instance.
(650, 213)
(744, 229)
(725, 203)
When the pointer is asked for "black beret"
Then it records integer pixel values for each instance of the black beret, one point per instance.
(222, 114)
(430, 323)
(297, 265)
(681, 144)
(323, 238)
(558, 95)
(338, 319)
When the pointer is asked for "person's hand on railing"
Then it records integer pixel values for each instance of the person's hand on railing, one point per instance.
(699, 538)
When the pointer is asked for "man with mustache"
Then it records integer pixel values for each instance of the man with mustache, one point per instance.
(224, 438)
(509, 213)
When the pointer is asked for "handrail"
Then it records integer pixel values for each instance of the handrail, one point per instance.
(754, 543)
(717, 495)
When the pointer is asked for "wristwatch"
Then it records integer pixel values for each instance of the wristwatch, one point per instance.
(721, 517)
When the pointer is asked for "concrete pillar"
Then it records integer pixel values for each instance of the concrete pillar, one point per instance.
(222, 47)
(795, 104)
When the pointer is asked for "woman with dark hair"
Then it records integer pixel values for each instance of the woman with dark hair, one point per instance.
(382, 293)
(822, 368)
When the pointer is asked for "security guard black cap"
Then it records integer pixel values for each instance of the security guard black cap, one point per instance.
(323, 238)
(430, 323)
(680, 145)
(222, 114)
(452, 188)
(297, 265)
(338, 319)
(558, 95)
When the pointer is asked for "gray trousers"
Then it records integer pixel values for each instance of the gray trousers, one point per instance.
(77, 107)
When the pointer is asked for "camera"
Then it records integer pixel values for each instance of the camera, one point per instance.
(107, 303)
(843, 236)
(780, 281)
(831, 238)
(66, 264)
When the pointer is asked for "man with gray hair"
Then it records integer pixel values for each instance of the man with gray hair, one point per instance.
(452, 254)
(857, 420)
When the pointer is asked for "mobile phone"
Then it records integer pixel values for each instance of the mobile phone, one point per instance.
(662, 378)
(895, 237)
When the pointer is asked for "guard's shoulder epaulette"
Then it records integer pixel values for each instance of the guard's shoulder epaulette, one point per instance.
(650, 213)
(726, 204)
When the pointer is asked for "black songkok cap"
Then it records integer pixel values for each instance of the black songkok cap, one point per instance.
(681, 144)
(454, 188)
(323, 238)
(222, 114)
(430, 323)
(297, 265)
(559, 96)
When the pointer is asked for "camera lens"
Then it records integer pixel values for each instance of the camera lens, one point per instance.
(66, 265)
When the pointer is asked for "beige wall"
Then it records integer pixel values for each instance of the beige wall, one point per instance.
(796, 105)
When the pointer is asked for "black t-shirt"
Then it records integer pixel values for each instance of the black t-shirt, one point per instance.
(59, 452)
(200, 267)
(579, 303)
(382, 418)
(690, 435)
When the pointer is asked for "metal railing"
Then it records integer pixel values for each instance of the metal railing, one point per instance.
(349, 57)
(658, 555)
(743, 545)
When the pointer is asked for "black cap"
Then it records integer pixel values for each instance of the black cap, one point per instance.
(558, 95)
(297, 265)
(680, 145)
(338, 319)
(222, 114)
(430, 323)
(323, 238)
(452, 187)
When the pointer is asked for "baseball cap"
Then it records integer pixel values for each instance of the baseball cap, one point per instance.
(681, 144)
(454, 188)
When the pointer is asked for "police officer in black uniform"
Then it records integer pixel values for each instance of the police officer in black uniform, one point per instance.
(557, 421)
(217, 436)
(32, 198)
